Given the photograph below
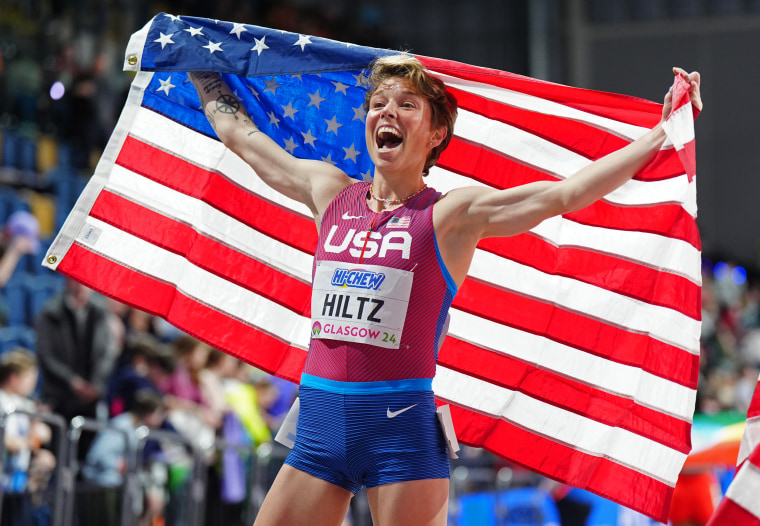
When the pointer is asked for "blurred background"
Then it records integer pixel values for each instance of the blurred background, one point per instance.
(62, 88)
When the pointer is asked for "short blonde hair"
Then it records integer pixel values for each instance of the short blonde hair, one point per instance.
(443, 105)
(16, 361)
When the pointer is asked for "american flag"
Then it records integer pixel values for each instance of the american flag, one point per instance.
(572, 349)
(740, 505)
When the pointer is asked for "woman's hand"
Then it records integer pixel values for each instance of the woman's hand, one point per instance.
(693, 80)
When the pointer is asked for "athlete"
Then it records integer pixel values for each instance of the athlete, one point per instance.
(390, 257)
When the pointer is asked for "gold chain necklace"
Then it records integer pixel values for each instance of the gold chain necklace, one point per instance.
(393, 201)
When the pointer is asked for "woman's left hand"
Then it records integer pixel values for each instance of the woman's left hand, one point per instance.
(693, 79)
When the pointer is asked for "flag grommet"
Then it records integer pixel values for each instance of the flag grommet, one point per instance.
(132, 60)
(52, 259)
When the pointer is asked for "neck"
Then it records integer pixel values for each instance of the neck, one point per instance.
(387, 194)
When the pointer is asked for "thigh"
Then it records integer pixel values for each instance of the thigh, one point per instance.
(411, 503)
(299, 499)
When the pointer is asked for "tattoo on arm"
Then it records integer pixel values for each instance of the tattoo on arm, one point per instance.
(227, 104)
(211, 88)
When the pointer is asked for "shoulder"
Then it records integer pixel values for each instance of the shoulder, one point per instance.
(453, 204)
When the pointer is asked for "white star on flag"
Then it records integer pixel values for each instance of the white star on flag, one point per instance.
(165, 39)
(271, 86)
(340, 87)
(195, 31)
(308, 138)
(290, 145)
(273, 120)
(302, 41)
(316, 99)
(351, 153)
(260, 45)
(359, 113)
(289, 110)
(166, 85)
(213, 46)
(333, 125)
(237, 29)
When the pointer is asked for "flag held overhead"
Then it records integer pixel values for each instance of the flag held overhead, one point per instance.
(580, 336)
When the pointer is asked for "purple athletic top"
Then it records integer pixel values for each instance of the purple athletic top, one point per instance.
(356, 265)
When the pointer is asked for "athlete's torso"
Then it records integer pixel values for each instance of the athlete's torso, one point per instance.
(363, 283)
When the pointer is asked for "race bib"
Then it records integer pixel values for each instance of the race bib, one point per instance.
(360, 303)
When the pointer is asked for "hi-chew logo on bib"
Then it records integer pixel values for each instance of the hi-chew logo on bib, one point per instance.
(363, 303)
(357, 278)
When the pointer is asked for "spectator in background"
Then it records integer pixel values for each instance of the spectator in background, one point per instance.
(77, 351)
(19, 237)
(27, 466)
(107, 462)
(189, 410)
(144, 364)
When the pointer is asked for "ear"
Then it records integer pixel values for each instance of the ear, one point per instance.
(438, 136)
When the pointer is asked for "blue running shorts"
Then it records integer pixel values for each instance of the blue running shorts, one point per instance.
(355, 440)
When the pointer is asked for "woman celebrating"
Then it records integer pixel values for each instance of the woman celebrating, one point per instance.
(391, 255)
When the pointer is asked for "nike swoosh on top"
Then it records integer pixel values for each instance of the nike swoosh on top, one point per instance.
(346, 215)
(394, 414)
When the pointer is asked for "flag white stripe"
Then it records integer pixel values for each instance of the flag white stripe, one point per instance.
(655, 251)
(615, 378)
(195, 282)
(619, 445)
(661, 323)
(750, 438)
(202, 151)
(210, 154)
(526, 101)
(518, 144)
(681, 125)
(211, 222)
(746, 488)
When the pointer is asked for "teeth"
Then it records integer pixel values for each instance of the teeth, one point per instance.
(388, 129)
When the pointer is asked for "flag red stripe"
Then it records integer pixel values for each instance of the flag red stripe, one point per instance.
(581, 138)
(578, 137)
(198, 319)
(608, 272)
(584, 333)
(219, 192)
(565, 392)
(203, 251)
(754, 405)
(623, 108)
(665, 219)
(497, 171)
(730, 513)
(488, 167)
(564, 463)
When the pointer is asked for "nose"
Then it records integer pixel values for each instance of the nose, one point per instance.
(390, 109)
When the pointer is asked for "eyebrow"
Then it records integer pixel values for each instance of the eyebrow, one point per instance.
(407, 91)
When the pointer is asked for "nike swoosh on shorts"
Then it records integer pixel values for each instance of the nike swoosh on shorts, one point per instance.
(394, 414)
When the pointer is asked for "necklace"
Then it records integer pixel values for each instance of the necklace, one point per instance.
(394, 201)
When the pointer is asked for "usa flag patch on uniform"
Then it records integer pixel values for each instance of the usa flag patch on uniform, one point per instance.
(399, 222)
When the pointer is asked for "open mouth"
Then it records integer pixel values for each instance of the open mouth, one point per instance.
(388, 138)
